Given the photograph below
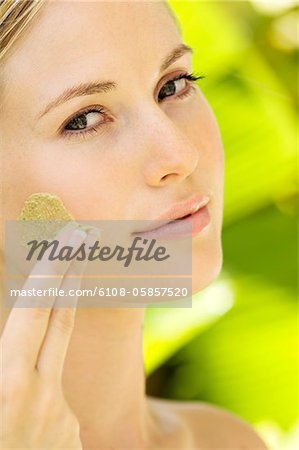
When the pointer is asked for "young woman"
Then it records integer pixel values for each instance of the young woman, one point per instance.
(99, 106)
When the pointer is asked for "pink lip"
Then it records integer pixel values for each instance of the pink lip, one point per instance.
(198, 216)
(183, 208)
(181, 227)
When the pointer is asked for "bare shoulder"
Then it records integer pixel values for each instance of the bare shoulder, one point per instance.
(212, 427)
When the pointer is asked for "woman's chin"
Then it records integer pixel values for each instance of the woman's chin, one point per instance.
(206, 267)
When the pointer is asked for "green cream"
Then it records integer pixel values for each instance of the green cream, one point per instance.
(43, 206)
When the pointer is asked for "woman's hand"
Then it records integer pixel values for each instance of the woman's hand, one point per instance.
(34, 343)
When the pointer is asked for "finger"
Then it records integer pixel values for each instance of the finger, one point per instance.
(47, 267)
(26, 327)
(54, 349)
(45, 273)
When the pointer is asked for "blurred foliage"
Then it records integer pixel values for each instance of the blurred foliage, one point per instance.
(237, 346)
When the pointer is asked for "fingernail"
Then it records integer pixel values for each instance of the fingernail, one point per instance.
(70, 226)
(94, 233)
(77, 235)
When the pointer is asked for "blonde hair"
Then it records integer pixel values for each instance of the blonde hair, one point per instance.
(15, 18)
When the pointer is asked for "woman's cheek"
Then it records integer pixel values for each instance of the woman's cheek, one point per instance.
(86, 179)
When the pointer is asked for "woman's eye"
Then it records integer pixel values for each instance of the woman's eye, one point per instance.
(179, 86)
(85, 120)
(171, 88)
(86, 123)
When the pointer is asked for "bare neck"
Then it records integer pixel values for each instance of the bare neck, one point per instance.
(104, 379)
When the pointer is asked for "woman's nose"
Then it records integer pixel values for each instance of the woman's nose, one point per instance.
(170, 156)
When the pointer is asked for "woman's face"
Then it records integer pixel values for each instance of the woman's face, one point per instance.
(127, 150)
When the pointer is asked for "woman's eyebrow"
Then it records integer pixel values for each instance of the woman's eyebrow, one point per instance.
(175, 54)
(105, 86)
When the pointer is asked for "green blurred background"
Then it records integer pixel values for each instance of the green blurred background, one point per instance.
(237, 347)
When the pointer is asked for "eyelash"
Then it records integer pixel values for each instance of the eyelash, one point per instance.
(191, 77)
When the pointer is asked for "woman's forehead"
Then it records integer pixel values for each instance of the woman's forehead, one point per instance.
(110, 34)
(79, 26)
(77, 42)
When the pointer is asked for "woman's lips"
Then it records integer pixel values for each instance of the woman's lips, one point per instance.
(188, 226)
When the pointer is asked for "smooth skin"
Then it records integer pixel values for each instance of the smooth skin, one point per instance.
(144, 154)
